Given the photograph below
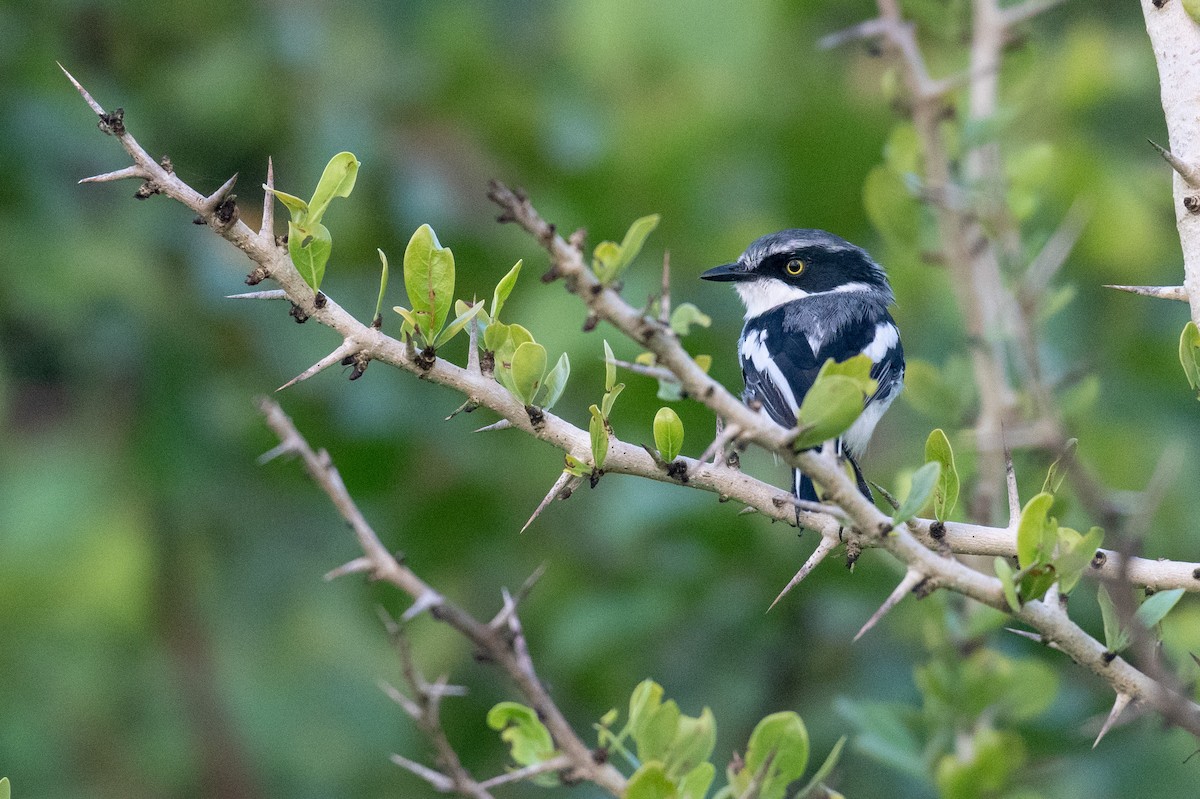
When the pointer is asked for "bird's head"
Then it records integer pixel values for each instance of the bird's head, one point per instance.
(794, 264)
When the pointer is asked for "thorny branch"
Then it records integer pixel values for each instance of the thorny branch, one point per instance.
(1048, 617)
(501, 646)
(919, 545)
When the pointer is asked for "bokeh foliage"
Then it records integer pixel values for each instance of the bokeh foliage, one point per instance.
(165, 629)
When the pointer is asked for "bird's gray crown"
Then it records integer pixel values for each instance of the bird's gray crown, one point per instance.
(794, 240)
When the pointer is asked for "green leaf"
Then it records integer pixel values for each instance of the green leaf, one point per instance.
(296, 207)
(924, 481)
(1058, 471)
(1157, 606)
(828, 410)
(383, 278)
(336, 181)
(650, 781)
(576, 467)
(1036, 581)
(527, 737)
(1074, 555)
(599, 433)
(429, 281)
(635, 237)
(1031, 530)
(606, 404)
(309, 249)
(695, 783)
(657, 731)
(1189, 353)
(555, 382)
(528, 368)
(668, 433)
(691, 745)
(410, 321)
(494, 337)
(704, 362)
(611, 259)
(610, 368)
(610, 718)
(605, 259)
(785, 735)
(857, 369)
(686, 315)
(503, 289)
(1192, 7)
(1005, 573)
(945, 493)
(824, 771)
(5, 788)
(460, 321)
(1115, 638)
(644, 700)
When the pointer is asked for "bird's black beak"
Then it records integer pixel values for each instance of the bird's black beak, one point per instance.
(727, 273)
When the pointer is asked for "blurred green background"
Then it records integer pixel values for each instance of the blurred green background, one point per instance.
(164, 629)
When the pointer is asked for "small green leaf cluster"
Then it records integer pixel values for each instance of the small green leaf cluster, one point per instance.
(528, 739)
(309, 242)
(835, 401)
(1046, 553)
(600, 428)
(670, 751)
(519, 362)
(1189, 355)
(610, 260)
(1149, 614)
(429, 282)
(961, 737)
(681, 321)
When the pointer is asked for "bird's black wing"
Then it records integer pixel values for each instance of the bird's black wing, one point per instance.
(778, 367)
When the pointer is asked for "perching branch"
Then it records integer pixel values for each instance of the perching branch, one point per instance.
(1048, 617)
(911, 546)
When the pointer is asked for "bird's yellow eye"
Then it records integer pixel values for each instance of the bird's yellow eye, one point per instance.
(794, 267)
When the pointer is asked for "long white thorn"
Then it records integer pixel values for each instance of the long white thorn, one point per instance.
(1014, 498)
(555, 490)
(1189, 173)
(356, 566)
(347, 348)
(87, 98)
(437, 779)
(211, 202)
(267, 228)
(911, 579)
(422, 603)
(824, 548)
(1032, 636)
(1118, 707)
(1161, 292)
(119, 174)
(397, 696)
(503, 424)
(273, 294)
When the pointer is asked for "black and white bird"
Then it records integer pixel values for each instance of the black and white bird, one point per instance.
(811, 296)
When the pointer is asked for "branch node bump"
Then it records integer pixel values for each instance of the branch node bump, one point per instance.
(113, 124)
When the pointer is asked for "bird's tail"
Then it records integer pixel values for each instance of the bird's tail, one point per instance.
(803, 488)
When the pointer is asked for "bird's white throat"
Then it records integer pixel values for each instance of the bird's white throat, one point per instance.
(760, 296)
